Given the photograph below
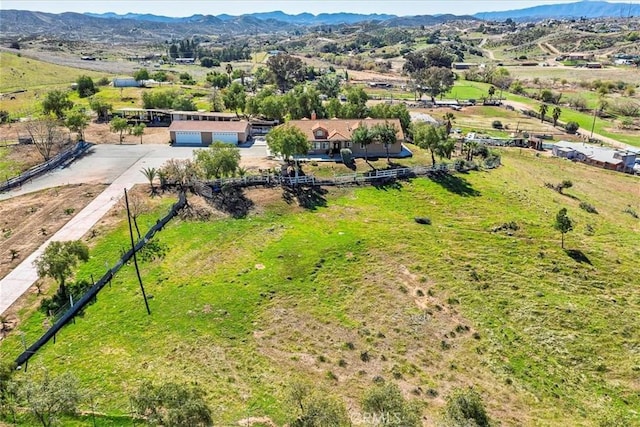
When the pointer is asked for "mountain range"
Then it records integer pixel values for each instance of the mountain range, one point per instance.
(153, 27)
(581, 9)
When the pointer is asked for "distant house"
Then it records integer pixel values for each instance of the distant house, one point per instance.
(463, 65)
(580, 56)
(126, 82)
(593, 65)
(205, 132)
(329, 136)
(603, 157)
(383, 85)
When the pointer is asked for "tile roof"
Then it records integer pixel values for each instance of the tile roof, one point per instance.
(341, 129)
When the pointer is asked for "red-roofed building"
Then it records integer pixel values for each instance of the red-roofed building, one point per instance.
(329, 136)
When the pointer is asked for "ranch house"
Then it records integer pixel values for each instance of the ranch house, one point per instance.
(329, 136)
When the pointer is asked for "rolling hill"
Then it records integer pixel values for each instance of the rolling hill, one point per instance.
(352, 291)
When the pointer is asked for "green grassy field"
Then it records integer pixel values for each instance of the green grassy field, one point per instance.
(464, 89)
(241, 306)
(8, 167)
(19, 72)
(585, 120)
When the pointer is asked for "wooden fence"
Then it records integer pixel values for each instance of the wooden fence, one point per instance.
(341, 179)
(93, 291)
(60, 159)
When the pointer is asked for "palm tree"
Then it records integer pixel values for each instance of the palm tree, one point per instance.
(492, 91)
(543, 111)
(556, 115)
(449, 118)
(150, 173)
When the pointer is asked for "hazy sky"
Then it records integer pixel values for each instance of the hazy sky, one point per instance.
(239, 7)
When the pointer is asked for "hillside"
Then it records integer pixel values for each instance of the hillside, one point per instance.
(19, 72)
(150, 27)
(581, 9)
(354, 290)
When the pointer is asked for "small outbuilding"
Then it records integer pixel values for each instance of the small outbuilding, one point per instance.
(126, 82)
(204, 132)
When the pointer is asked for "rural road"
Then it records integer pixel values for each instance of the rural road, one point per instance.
(117, 165)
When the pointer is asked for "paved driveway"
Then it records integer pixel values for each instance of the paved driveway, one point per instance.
(117, 165)
(105, 163)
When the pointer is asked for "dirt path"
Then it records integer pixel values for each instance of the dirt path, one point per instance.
(487, 51)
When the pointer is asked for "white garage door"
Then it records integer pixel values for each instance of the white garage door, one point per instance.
(185, 137)
(229, 137)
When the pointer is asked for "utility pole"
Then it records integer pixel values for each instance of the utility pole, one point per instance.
(133, 248)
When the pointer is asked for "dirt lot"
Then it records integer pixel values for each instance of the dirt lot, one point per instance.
(97, 133)
(28, 221)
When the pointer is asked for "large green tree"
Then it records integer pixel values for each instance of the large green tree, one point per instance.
(395, 111)
(59, 259)
(433, 80)
(141, 74)
(432, 57)
(287, 70)
(356, 106)
(288, 141)
(56, 102)
(303, 102)
(329, 85)
(235, 97)
(219, 160)
(312, 407)
(465, 408)
(86, 87)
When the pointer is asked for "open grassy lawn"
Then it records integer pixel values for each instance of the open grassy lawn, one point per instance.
(241, 306)
(573, 74)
